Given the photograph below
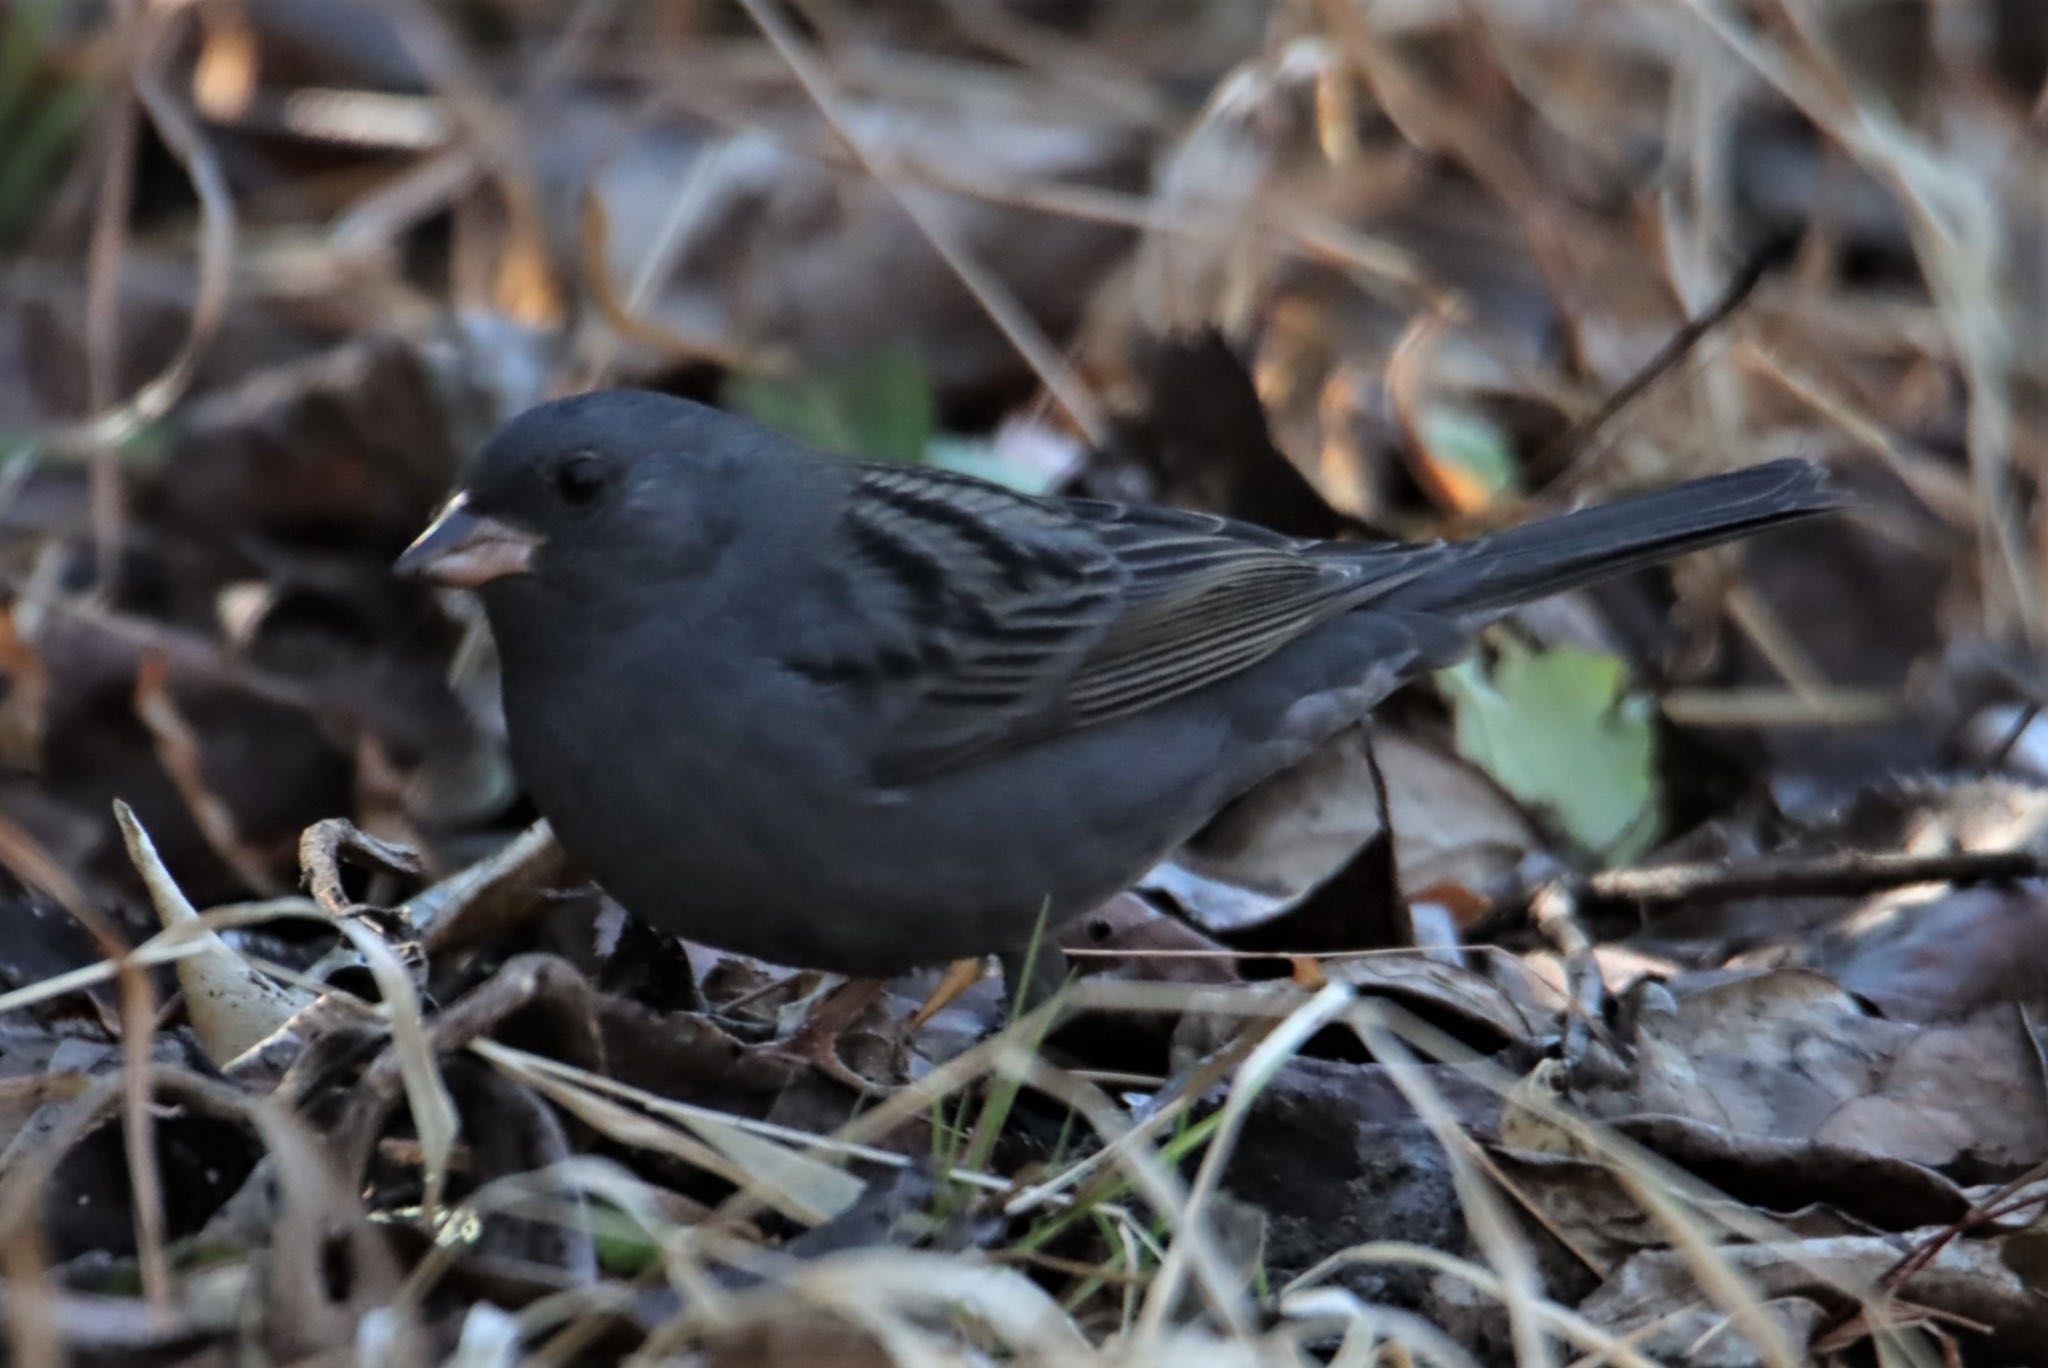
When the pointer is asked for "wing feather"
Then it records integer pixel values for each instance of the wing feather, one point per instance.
(1029, 617)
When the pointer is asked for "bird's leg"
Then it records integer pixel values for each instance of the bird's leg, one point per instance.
(816, 1042)
(960, 976)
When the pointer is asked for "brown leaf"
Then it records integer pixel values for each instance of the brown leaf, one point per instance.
(1790, 1055)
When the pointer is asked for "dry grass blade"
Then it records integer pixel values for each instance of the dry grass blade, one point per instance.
(800, 1188)
(1960, 245)
(155, 44)
(988, 290)
(1163, 1111)
(1280, 1045)
(1567, 1324)
(189, 654)
(20, 853)
(1371, 1329)
(368, 228)
(23, 1247)
(1485, 1215)
(562, 1193)
(1446, 127)
(166, 947)
(683, 1249)
(1069, 63)
(1380, 268)
(231, 1005)
(892, 1294)
(1009, 1053)
(1158, 1183)
(1766, 706)
(177, 748)
(915, 1099)
(1690, 1212)
(105, 250)
(24, 713)
(689, 1114)
(434, 1117)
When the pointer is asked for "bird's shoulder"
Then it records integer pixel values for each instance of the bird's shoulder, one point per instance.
(932, 583)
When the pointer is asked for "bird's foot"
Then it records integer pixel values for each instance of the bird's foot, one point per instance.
(816, 1041)
(960, 976)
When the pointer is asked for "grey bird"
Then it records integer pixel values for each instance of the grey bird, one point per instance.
(862, 717)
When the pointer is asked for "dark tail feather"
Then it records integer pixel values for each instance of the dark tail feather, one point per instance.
(1495, 573)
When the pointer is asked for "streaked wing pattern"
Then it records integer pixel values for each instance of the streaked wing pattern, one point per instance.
(1038, 616)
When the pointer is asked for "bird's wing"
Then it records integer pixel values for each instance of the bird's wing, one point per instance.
(987, 619)
(1206, 597)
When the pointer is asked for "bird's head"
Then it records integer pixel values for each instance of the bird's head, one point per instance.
(582, 498)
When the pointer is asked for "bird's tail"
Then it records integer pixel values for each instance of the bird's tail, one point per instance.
(1494, 573)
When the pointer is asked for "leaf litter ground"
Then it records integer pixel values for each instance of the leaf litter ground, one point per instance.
(1658, 987)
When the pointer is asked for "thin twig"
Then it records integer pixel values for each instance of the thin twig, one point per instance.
(179, 754)
(1380, 268)
(1769, 706)
(112, 423)
(1846, 874)
(190, 655)
(2002, 752)
(105, 251)
(1777, 643)
(23, 856)
(1554, 912)
(988, 290)
(1843, 1328)
(1957, 238)
(1895, 1278)
(1575, 442)
(1083, 68)
(627, 315)
(1942, 490)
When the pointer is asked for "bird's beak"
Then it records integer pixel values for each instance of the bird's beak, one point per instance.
(468, 550)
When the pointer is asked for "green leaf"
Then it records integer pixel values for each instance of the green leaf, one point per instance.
(1558, 731)
(1474, 450)
(624, 1249)
(24, 43)
(31, 154)
(41, 118)
(880, 407)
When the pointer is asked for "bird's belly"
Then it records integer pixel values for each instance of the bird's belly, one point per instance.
(774, 842)
(770, 857)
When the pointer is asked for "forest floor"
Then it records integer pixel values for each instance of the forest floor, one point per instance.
(1663, 985)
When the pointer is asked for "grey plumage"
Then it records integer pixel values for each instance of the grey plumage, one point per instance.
(863, 717)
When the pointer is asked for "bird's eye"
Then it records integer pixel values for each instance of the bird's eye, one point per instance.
(580, 477)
